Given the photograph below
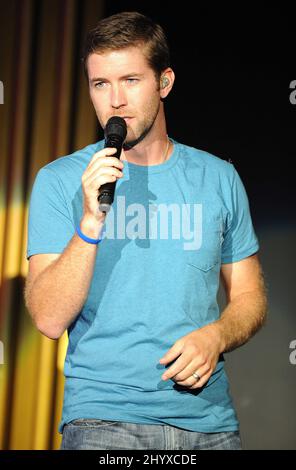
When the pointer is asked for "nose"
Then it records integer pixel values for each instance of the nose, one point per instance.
(118, 97)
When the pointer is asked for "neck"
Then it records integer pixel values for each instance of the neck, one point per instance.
(153, 153)
(155, 148)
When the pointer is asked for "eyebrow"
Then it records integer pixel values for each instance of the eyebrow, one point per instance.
(101, 79)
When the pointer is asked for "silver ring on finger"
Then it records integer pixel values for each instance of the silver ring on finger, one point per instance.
(196, 376)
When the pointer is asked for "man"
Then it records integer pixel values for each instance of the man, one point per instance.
(137, 293)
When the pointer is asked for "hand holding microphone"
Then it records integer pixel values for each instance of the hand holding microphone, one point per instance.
(103, 171)
(115, 134)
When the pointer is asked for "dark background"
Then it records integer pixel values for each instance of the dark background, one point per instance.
(231, 97)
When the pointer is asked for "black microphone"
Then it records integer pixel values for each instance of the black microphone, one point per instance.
(115, 134)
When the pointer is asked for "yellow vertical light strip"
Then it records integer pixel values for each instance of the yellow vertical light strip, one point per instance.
(7, 25)
(45, 398)
(60, 382)
(18, 39)
(17, 152)
(24, 387)
(33, 358)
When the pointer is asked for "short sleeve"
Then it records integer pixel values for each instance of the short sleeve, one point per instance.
(50, 227)
(240, 239)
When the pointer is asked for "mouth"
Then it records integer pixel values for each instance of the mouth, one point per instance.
(127, 119)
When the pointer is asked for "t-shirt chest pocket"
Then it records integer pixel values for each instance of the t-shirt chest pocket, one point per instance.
(209, 251)
(201, 276)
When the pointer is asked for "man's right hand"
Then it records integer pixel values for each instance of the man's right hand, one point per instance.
(102, 168)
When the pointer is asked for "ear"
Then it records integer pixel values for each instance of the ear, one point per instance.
(167, 79)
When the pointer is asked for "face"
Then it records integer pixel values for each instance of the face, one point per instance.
(121, 83)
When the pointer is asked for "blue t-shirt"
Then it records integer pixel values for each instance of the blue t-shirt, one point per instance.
(155, 280)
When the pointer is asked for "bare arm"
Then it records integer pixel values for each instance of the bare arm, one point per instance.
(244, 314)
(247, 302)
(57, 284)
(56, 294)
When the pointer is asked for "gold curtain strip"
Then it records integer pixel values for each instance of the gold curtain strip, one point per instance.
(39, 387)
(31, 380)
(13, 122)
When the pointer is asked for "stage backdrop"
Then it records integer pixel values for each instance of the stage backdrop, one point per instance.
(234, 96)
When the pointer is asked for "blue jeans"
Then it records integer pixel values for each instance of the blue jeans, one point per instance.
(84, 434)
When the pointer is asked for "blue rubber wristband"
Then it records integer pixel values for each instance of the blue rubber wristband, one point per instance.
(93, 241)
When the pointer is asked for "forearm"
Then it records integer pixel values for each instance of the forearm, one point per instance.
(58, 294)
(241, 319)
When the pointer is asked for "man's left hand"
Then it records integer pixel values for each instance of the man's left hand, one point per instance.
(198, 352)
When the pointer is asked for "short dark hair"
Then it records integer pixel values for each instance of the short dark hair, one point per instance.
(127, 29)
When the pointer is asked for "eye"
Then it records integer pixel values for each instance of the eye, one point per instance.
(99, 84)
(132, 80)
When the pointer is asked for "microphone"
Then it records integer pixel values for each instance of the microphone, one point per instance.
(115, 134)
